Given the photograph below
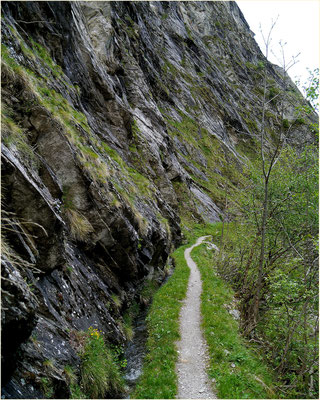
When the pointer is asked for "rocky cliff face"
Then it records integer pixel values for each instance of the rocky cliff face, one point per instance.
(119, 119)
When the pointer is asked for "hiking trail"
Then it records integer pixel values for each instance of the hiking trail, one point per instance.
(193, 381)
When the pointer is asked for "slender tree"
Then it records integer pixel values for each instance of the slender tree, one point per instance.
(269, 157)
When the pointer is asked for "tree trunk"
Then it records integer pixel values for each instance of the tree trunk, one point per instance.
(245, 275)
(262, 253)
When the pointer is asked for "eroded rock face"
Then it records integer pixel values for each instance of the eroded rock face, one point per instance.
(118, 119)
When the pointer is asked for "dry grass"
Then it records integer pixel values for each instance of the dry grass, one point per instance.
(79, 225)
(142, 222)
(9, 223)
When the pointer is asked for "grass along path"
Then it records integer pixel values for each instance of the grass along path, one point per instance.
(158, 379)
(193, 381)
(238, 371)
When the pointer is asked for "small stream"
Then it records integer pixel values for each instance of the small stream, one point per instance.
(135, 352)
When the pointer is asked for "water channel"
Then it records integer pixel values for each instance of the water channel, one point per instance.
(135, 352)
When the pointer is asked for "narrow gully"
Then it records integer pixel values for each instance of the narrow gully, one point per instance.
(135, 352)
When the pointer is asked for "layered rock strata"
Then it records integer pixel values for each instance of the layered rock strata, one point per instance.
(119, 119)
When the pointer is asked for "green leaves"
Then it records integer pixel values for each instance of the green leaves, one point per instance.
(231, 360)
(311, 88)
(289, 290)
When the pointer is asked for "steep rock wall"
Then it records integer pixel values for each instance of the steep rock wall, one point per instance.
(118, 119)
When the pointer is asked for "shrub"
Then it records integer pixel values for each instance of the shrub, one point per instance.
(260, 65)
(273, 94)
(285, 124)
(100, 373)
(300, 121)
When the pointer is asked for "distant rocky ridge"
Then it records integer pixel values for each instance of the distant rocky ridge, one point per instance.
(120, 121)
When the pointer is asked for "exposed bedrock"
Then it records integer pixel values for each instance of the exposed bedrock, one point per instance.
(121, 121)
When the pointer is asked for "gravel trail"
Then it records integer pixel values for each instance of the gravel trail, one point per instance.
(193, 381)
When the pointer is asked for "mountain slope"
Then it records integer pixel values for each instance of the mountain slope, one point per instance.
(119, 119)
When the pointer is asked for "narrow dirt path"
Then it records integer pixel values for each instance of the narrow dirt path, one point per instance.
(193, 381)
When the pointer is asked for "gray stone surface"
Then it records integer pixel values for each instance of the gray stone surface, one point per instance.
(150, 80)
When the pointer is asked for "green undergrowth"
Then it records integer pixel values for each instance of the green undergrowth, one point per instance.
(158, 379)
(239, 372)
(100, 373)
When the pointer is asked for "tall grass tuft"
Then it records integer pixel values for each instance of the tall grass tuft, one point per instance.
(100, 374)
(79, 225)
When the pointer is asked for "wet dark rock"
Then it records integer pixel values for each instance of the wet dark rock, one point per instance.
(135, 351)
(18, 317)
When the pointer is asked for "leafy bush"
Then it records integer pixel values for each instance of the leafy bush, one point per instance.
(273, 94)
(286, 330)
